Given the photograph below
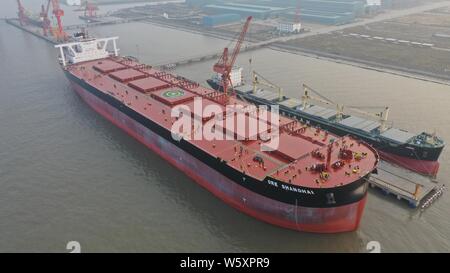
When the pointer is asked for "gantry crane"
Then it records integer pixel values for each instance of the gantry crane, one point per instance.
(45, 20)
(297, 13)
(23, 19)
(90, 9)
(58, 12)
(256, 80)
(226, 63)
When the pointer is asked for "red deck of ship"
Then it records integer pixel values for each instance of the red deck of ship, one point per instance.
(141, 87)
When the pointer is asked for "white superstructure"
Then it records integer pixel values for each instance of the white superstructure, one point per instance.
(87, 50)
(289, 27)
(235, 76)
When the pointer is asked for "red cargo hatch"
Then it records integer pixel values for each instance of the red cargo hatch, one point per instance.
(148, 85)
(127, 75)
(107, 66)
(293, 147)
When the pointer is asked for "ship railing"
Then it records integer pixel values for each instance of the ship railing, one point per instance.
(292, 129)
(216, 96)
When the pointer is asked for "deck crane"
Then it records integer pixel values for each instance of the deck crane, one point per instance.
(58, 12)
(45, 21)
(322, 99)
(381, 116)
(226, 63)
(23, 19)
(258, 79)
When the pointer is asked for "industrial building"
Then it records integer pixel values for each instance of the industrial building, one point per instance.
(329, 12)
(244, 10)
(220, 19)
(200, 3)
(289, 27)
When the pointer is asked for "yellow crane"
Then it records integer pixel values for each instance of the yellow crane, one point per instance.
(258, 79)
(381, 116)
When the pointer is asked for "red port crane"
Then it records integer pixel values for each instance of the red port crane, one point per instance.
(23, 19)
(226, 63)
(45, 21)
(58, 12)
(297, 13)
(90, 10)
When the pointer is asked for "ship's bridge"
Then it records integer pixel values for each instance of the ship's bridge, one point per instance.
(86, 50)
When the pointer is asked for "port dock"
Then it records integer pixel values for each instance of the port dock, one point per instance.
(100, 21)
(403, 184)
(206, 57)
(34, 30)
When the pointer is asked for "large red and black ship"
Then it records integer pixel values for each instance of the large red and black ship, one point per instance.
(313, 181)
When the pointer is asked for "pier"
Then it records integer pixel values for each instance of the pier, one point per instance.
(403, 184)
(202, 58)
(34, 30)
(100, 21)
(105, 20)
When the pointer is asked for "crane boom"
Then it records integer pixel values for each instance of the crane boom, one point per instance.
(226, 63)
(267, 83)
(382, 116)
(237, 48)
(22, 17)
(297, 13)
(58, 12)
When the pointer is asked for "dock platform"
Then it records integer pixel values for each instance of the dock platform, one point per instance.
(402, 183)
(34, 30)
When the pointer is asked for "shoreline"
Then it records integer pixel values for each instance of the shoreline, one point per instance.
(282, 47)
(364, 64)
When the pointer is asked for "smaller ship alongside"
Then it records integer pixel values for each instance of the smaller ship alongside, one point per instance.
(417, 152)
